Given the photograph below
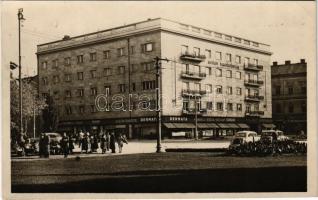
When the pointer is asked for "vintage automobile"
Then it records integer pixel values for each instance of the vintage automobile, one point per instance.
(242, 137)
(267, 135)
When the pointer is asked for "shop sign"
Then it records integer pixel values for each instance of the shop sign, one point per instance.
(148, 119)
(178, 119)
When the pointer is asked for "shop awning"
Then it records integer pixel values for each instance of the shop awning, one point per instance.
(179, 125)
(268, 126)
(207, 125)
(120, 126)
(245, 126)
(228, 125)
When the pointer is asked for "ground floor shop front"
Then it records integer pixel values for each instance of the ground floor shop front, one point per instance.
(171, 126)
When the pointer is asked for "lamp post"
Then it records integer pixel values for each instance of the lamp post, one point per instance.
(20, 17)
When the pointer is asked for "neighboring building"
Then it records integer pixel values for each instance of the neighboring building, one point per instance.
(289, 82)
(229, 76)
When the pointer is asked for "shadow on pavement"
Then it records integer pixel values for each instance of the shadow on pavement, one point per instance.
(271, 179)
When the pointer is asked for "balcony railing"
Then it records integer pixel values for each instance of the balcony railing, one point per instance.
(193, 75)
(254, 113)
(253, 67)
(255, 83)
(254, 98)
(192, 112)
(192, 57)
(193, 92)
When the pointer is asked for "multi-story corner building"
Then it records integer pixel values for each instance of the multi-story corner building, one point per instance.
(227, 76)
(289, 82)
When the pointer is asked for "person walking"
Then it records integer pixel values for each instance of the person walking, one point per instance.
(71, 143)
(65, 145)
(84, 143)
(103, 143)
(94, 143)
(107, 141)
(80, 138)
(121, 139)
(41, 146)
(46, 146)
(112, 144)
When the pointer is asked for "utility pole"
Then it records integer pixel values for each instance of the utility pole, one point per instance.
(20, 17)
(196, 119)
(158, 82)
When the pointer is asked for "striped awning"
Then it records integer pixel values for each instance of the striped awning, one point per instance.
(179, 125)
(228, 125)
(244, 126)
(207, 125)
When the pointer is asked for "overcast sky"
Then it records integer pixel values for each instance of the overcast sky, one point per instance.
(289, 27)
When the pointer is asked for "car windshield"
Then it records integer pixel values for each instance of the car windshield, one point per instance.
(237, 141)
(240, 134)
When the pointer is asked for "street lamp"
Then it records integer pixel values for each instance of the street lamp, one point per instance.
(20, 17)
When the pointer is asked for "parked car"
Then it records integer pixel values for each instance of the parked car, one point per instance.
(267, 135)
(54, 137)
(243, 137)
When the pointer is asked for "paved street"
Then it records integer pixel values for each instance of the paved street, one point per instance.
(165, 172)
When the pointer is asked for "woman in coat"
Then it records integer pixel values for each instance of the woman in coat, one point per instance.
(112, 142)
(103, 143)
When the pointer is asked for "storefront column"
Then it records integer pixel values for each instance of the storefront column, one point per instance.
(130, 131)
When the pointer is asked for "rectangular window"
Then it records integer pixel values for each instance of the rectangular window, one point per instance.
(55, 63)
(229, 90)
(185, 105)
(68, 93)
(209, 71)
(277, 90)
(56, 94)
(56, 79)
(196, 51)
(218, 72)
(148, 66)
(290, 90)
(68, 110)
(92, 57)
(148, 85)
(184, 49)
(80, 59)
(121, 69)
(80, 92)
(67, 61)
(93, 74)
(218, 55)
(248, 108)
(238, 75)
(209, 105)
(209, 88)
(246, 61)
(239, 107)
(230, 106)
(106, 54)
(148, 47)
(44, 65)
(67, 77)
(238, 59)
(208, 53)
(238, 91)
(81, 109)
(255, 62)
(133, 86)
(132, 49)
(228, 74)
(93, 91)
(219, 89)
(122, 88)
(108, 90)
(133, 68)
(120, 52)
(80, 75)
(228, 57)
(107, 71)
(44, 81)
(219, 106)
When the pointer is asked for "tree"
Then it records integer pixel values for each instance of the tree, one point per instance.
(50, 115)
(32, 104)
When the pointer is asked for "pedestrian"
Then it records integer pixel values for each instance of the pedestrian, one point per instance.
(89, 142)
(94, 143)
(41, 146)
(121, 139)
(71, 144)
(112, 144)
(65, 145)
(46, 144)
(80, 138)
(84, 143)
(103, 143)
(107, 141)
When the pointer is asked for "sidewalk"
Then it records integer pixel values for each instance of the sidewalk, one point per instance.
(136, 147)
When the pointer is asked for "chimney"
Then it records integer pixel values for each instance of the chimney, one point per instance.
(287, 62)
(302, 61)
(275, 63)
(66, 37)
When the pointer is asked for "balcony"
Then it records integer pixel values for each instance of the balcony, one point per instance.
(254, 98)
(253, 83)
(254, 113)
(192, 57)
(193, 75)
(193, 92)
(253, 67)
(192, 112)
